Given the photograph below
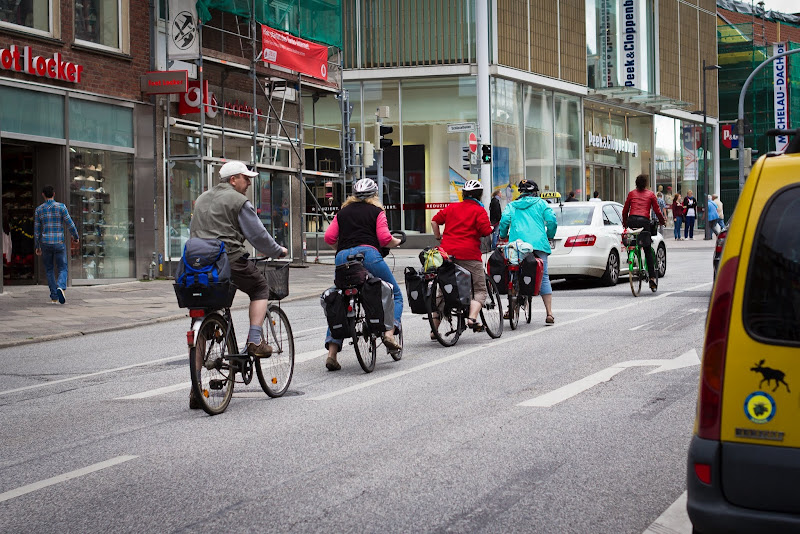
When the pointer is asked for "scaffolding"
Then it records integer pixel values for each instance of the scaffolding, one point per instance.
(741, 48)
(253, 112)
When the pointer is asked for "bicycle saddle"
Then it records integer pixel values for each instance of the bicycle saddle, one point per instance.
(356, 257)
(635, 230)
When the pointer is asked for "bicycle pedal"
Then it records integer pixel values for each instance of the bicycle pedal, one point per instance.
(216, 384)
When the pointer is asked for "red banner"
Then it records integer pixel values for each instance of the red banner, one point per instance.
(294, 53)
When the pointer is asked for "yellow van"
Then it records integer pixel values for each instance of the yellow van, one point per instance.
(744, 459)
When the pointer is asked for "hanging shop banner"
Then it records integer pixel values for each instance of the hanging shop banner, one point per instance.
(629, 32)
(608, 56)
(780, 94)
(692, 139)
(183, 41)
(291, 52)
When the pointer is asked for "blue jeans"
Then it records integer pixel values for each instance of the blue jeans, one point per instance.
(55, 256)
(546, 288)
(374, 263)
(689, 230)
(678, 222)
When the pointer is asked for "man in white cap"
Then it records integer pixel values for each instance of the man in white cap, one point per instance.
(223, 212)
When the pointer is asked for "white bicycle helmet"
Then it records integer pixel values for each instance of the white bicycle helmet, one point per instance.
(365, 188)
(472, 185)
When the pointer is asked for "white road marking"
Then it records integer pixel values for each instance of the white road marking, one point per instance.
(563, 393)
(316, 328)
(674, 520)
(107, 371)
(156, 392)
(63, 478)
(494, 343)
(311, 355)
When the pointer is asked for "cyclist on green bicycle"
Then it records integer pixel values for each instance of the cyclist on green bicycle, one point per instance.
(636, 214)
(465, 223)
(223, 212)
(532, 220)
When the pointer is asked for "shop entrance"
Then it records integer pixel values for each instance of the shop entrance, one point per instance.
(26, 168)
(609, 180)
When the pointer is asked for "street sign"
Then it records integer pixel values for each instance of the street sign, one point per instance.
(473, 142)
(458, 127)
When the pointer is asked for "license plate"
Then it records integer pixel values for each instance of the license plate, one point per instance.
(552, 243)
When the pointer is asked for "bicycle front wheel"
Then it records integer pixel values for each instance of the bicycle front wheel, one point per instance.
(363, 341)
(448, 330)
(212, 375)
(492, 310)
(635, 274)
(275, 373)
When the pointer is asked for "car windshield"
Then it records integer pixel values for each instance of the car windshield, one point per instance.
(574, 215)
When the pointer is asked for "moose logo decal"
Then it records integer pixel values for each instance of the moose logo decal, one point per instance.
(769, 375)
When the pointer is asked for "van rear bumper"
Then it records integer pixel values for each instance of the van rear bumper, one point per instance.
(709, 510)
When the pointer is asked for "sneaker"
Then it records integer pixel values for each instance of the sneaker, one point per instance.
(53, 302)
(62, 298)
(332, 365)
(260, 350)
(653, 285)
(390, 342)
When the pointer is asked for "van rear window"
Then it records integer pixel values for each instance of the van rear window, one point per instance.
(772, 296)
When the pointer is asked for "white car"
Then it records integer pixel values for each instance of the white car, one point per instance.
(588, 242)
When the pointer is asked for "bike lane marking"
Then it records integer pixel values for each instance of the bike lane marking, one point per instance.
(12, 494)
(494, 343)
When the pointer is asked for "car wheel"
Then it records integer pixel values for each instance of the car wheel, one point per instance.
(661, 260)
(611, 276)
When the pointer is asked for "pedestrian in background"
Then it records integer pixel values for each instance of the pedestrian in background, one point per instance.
(663, 207)
(571, 197)
(495, 214)
(718, 204)
(50, 221)
(595, 197)
(713, 216)
(689, 214)
(677, 214)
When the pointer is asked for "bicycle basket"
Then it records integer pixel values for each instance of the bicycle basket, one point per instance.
(277, 275)
(630, 240)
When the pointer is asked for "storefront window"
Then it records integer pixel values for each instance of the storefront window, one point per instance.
(185, 185)
(568, 144)
(97, 21)
(432, 164)
(101, 204)
(539, 136)
(508, 153)
(640, 130)
(30, 14)
(96, 122)
(16, 116)
(272, 203)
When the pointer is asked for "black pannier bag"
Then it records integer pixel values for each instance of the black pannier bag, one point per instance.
(378, 302)
(415, 289)
(334, 303)
(531, 271)
(350, 274)
(496, 266)
(203, 278)
(456, 284)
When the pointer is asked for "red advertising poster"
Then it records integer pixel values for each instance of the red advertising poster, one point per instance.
(291, 52)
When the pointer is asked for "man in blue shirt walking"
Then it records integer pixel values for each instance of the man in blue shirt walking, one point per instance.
(50, 221)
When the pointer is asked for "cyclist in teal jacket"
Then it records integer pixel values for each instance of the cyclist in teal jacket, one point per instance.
(531, 219)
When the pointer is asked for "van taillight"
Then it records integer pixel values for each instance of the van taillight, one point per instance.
(720, 241)
(583, 240)
(716, 344)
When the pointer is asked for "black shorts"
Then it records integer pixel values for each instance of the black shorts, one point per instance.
(249, 279)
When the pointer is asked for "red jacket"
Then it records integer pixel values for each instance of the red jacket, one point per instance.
(639, 204)
(464, 224)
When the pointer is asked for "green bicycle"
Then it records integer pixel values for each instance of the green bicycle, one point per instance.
(637, 262)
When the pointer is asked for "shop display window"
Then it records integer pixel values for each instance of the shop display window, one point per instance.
(34, 14)
(97, 122)
(18, 210)
(185, 185)
(101, 204)
(97, 21)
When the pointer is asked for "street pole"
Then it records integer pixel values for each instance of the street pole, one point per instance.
(705, 159)
(484, 112)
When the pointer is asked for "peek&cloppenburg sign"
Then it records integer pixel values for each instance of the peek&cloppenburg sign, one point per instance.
(55, 68)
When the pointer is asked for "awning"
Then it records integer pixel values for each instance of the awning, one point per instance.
(633, 96)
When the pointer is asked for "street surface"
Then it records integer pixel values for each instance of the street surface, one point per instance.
(578, 427)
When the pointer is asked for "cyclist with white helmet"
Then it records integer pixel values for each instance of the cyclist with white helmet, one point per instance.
(465, 223)
(531, 219)
(361, 227)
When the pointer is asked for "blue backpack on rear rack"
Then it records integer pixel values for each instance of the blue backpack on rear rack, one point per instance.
(203, 279)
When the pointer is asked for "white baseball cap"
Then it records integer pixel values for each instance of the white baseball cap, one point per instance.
(235, 167)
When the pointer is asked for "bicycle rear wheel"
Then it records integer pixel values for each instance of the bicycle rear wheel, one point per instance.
(363, 341)
(492, 310)
(513, 302)
(527, 302)
(212, 374)
(275, 373)
(449, 328)
(635, 273)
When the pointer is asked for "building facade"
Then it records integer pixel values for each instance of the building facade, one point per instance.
(72, 116)
(583, 95)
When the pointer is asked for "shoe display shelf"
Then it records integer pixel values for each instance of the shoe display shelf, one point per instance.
(89, 201)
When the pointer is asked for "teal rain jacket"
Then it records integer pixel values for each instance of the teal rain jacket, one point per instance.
(530, 219)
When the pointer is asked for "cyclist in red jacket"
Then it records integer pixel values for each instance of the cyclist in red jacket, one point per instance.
(636, 214)
(465, 223)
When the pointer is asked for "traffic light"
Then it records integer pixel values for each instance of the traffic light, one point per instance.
(466, 157)
(384, 143)
(486, 153)
(368, 158)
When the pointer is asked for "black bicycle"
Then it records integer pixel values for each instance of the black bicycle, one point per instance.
(215, 357)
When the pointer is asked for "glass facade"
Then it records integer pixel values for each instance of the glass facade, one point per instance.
(15, 112)
(96, 122)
